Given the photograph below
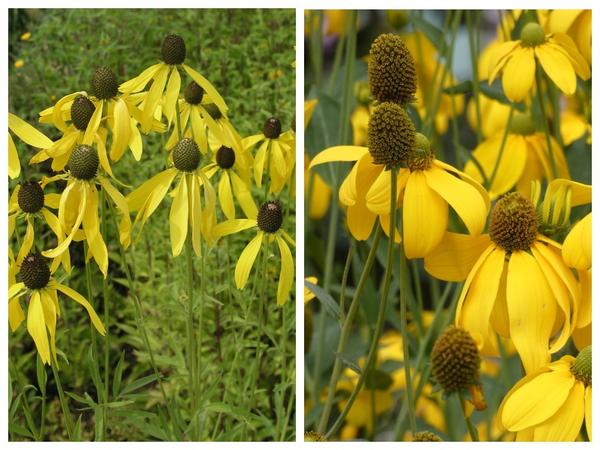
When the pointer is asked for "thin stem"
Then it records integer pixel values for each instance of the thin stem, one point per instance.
(316, 44)
(106, 301)
(345, 333)
(336, 64)
(190, 329)
(63, 403)
(24, 400)
(472, 430)
(474, 69)
(371, 356)
(345, 281)
(538, 84)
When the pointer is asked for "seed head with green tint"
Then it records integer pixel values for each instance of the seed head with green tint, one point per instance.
(426, 436)
(582, 367)
(82, 110)
(104, 83)
(313, 436)
(522, 124)
(225, 157)
(455, 360)
(422, 156)
(173, 49)
(186, 155)
(391, 135)
(392, 73)
(30, 197)
(532, 34)
(272, 128)
(270, 216)
(213, 110)
(84, 162)
(35, 272)
(514, 223)
(193, 93)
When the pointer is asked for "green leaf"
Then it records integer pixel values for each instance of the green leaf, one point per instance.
(137, 384)
(77, 430)
(494, 92)
(433, 33)
(42, 376)
(326, 300)
(378, 379)
(350, 364)
(118, 375)
(20, 430)
(461, 88)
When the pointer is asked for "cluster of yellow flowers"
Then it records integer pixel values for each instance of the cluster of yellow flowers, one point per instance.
(97, 129)
(527, 279)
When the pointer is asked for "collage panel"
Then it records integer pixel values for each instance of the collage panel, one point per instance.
(151, 219)
(447, 225)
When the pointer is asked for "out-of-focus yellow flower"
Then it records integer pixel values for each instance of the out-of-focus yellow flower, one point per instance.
(335, 21)
(308, 294)
(494, 115)
(320, 192)
(574, 122)
(577, 23)
(25, 36)
(19, 63)
(360, 124)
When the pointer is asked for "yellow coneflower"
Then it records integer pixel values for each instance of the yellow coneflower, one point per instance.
(29, 201)
(556, 53)
(79, 203)
(551, 403)
(27, 134)
(268, 221)
(173, 52)
(186, 210)
(43, 307)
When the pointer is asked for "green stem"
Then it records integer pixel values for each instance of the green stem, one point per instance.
(502, 145)
(316, 44)
(474, 70)
(538, 84)
(371, 356)
(190, 332)
(339, 50)
(345, 333)
(106, 301)
(63, 403)
(345, 281)
(472, 430)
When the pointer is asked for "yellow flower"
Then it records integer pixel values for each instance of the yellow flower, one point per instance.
(275, 153)
(19, 63)
(577, 23)
(27, 134)
(268, 222)
(556, 53)
(79, 203)
(29, 201)
(551, 403)
(494, 115)
(575, 121)
(517, 284)
(525, 157)
(26, 36)
(186, 212)
(173, 54)
(360, 124)
(320, 196)
(43, 307)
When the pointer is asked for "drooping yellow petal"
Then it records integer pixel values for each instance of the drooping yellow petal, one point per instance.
(138, 83)
(558, 67)
(213, 126)
(154, 95)
(81, 207)
(178, 216)
(27, 133)
(171, 95)
(135, 140)
(121, 204)
(58, 111)
(577, 247)
(564, 44)
(425, 217)
(531, 404)
(195, 215)
(15, 290)
(531, 310)
(360, 221)
(91, 227)
(517, 79)
(464, 199)
(246, 260)
(339, 153)
(259, 162)
(250, 141)
(14, 165)
(455, 256)
(588, 411)
(198, 128)
(498, 58)
(286, 274)
(121, 129)
(243, 195)
(565, 424)
(212, 93)
(378, 195)
(27, 242)
(15, 314)
(233, 226)
(50, 318)
(93, 124)
(36, 326)
(225, 196)
(148, 196)
(83, 302)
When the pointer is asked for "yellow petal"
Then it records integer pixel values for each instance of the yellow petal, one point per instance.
(251, 141)
(121, 128)
(453, 259)
(531, 404)
(244, 196)
(464, 199)
(558, 67)
(27, 133)
(425, 217)
(121, 204)
(195, 215)
(565, 424)
(171, 95)
(588, 411)
(198, 129)
(233, 226)
(518, 76)
(15, 314)
(27, 243)
(93, 124)
(277, 159)
(499, 57)
(102, 154)
(60, 108)
(138, 83)
(577, 247)
(378, 195)
(16, 289)
(246, 260)
(259, 162)
(96, 244)
(36, 326)
(154, 96)
(226, 197)
(83, 302)
(14, 165)
(135, 140)
(212, 93)
(50, 319)
(286, 275)
(81, 207)
(465, 177)
(148, 196)
(339, 153)
(178, 217)
(531, 310)
(360, 221)
(564, 44)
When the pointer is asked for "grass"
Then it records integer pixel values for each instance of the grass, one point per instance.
(248, 56)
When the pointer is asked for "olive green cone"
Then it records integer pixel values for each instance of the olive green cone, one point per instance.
(84, 162)
(104, 83)
(30, 197)
(186, 155)
(392, 73)
(35, 272)
(173, 49)
(582, 367)
(313, 436)
(213, 110)
(390, 135)
(514, 222)
(426, 436)
(270, 216)
(272, 128)
(82, 111)
(455, 360)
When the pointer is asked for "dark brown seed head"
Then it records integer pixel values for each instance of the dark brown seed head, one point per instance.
(30, 197)
(186, 155)
(225, 157)
(84, 162)
(270, 216)
(82, 111)
(193, 93)
(272, 128)
(35, 272)
(104, 83)
(391, 135)
(173, 49)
